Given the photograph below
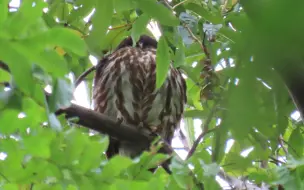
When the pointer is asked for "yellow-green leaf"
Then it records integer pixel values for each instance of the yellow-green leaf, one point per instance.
(162, 62)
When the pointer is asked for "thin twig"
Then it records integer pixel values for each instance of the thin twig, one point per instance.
(167, 4)
(83, 75)
(199, 138)
(180, 3)
(202, 45)
(183, 139)
(121, 26)
(289, 146)
(194, 37)
(280, 139)
(276, 160)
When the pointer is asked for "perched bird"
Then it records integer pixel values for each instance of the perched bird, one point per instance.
(125, 89)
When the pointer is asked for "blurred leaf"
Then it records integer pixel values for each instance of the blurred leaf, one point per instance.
(123, 5)
(3, 11)
(40, 149)
(104, 12)
(81, 12)
(91, 155)
(4, 76)
(76, 143)
(190, 132)
(195, 113)
(48, 59)
(115, 165)
(295, 143)
(179, 58)
(10, 122)
(162, 62)
(181, 174)
(63, 37)
(157, 11)
(211, 16)
(139, 26)
(61, 96)
(19, 66)
(27, 14)
(54, 122)
(10, 186)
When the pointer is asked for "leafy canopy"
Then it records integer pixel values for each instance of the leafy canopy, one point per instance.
(233, 54)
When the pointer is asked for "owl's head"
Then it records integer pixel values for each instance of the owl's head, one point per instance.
(143, 42)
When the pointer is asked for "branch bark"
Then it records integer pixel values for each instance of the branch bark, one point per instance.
(104, 124)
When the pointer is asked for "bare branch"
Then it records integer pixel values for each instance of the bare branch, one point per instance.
(104, 124)
(280, 139)
(197, 141)
(180, 3)
(83, 76)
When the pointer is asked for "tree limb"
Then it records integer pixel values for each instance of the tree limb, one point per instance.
(104, 124)
(83, 76)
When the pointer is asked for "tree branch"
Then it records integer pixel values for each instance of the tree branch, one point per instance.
(83, 76)
(103, 124)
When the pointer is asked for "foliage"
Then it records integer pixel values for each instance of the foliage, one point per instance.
(234, 55)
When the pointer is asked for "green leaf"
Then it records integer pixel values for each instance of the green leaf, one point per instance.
(162, 61)
(19, 66)
(61, 96)
(91, 156)
(139, 27)
(195, 113)
(181, 174)
(81, 12)
(27, 14)
(49, 60)
(3, 11)
(101, 21)
(4, 76)
(62, 11)
(122, 5)
(239, 163)
(212, 16)
(179, 58)
(295, 143)
(49, 20)
(10, 122)
(157, 159)
(62, 37)
(115, 166)
(10, 186)
(189, 128)
(54, 122)
(113, 38)
(75, 142)
(42, 148)
(211, 183)
(158, 11)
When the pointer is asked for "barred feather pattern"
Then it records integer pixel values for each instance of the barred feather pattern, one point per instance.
(125, 89)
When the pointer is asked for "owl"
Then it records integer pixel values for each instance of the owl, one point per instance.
(124, 88)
